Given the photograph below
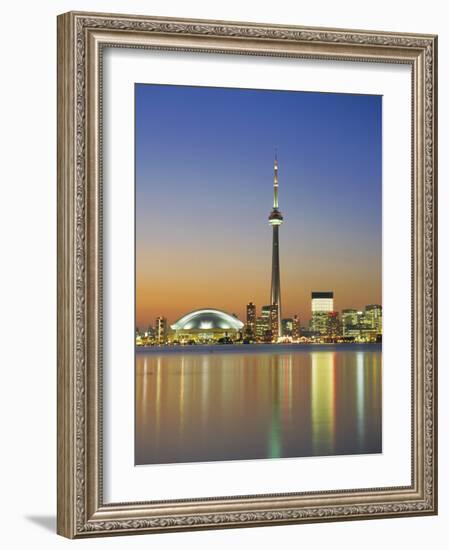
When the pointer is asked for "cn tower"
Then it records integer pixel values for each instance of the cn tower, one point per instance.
(275, 219)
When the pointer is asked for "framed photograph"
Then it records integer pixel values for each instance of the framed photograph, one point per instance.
(246, 274)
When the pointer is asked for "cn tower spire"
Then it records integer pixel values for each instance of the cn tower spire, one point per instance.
(275, 219)
(276, 182)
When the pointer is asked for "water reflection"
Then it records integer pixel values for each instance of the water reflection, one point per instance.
(232, 404)
(323, 402)
(360, 412)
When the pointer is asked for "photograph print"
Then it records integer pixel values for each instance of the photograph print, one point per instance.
(258, 276)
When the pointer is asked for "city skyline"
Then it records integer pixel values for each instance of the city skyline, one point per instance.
(304, 322)
(208, 326)
(201, 243)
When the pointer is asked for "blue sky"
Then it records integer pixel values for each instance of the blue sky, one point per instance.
(204, 172)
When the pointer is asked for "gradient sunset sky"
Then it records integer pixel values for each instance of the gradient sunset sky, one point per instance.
(204, 190)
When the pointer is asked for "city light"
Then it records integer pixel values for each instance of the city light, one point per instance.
(212, 326)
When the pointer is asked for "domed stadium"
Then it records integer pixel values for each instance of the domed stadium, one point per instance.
(207, 326)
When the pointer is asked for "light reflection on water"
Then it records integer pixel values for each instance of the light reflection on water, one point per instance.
(221, 404)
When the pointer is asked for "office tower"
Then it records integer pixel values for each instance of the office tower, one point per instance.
(266, 319)
(160, 330)
(373, 317)
(261, 327)
(333, 329)
(296, 331)
(275, 323)
(349, 322)
(250, 329)
(287, 326)
(322, 305)
(322, 302)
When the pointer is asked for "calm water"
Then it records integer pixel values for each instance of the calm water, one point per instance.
(249, 402)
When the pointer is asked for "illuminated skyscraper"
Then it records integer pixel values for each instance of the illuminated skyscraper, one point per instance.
(275, 323)
(287, 326)
(322, 302)
(261, 328)
(296, 333)
(275, 219)
(349, 322)
(373, 315)
(268, 316)
(250, 329)
(333, 325)
(322, 306)
(160, 330)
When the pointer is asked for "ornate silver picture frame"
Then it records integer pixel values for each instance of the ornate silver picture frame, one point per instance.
(82, 40)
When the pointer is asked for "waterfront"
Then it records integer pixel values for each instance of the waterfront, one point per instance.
(200, 403)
